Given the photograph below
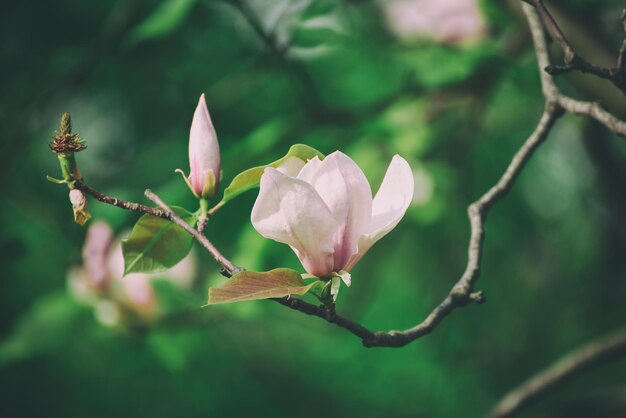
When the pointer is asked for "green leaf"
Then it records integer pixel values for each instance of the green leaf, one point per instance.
(156, 244)
(250, 178)
(167, 17)
(250, 285)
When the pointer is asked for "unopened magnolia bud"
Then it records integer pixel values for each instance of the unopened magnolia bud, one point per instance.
(79, 206)
(204, 153)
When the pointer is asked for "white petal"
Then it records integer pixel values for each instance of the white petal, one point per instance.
(204, 150)
(390, 205)
(291, 166)
(290, 211)
(347, 193)
(309, 170)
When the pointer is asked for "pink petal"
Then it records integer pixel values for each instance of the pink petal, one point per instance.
(308, 172)
(290, 211)
(390, 205)
(345, 190)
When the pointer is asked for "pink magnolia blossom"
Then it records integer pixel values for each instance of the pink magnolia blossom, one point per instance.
(325, 212)
(101, 281)
(204, 153)
(450, 21)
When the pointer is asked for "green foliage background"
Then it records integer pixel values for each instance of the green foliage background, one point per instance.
(130, 72)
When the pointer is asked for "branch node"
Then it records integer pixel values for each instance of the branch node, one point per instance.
(461, 295)
(478, 297)
(475, 209)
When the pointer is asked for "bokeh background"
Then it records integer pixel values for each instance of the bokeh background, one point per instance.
(450, 85)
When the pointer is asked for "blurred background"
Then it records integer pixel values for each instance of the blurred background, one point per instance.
(450, 85)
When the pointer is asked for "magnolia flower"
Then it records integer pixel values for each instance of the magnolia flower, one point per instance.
(204, 153)
(448, 21)
(325, 212)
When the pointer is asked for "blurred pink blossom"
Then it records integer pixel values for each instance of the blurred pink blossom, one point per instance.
(95, 249)
(101, 278)
(449, 21)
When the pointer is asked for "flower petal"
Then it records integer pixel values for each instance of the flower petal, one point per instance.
(204, 150)
(345, 190)
(390, 205)
(290, 211)
(307, 173)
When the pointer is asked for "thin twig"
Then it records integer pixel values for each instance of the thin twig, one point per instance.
(569, 55)
(574, 61)
(551, 92)
(586, 357)
(593, 110)
(135, 207)
(230, 267)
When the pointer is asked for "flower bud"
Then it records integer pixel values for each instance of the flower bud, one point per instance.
(204, 153)
(79, 206)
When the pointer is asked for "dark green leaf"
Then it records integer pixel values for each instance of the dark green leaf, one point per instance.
(156, 244)
(249, 285)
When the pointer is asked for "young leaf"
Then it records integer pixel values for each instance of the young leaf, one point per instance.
(250, 285)
(168, 16)
(156, 244)
(250, 178)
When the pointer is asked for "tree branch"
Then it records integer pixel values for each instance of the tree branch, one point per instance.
(555, 104)
(135, 207)
(462, 293)
(592, 354)
(593, 110)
